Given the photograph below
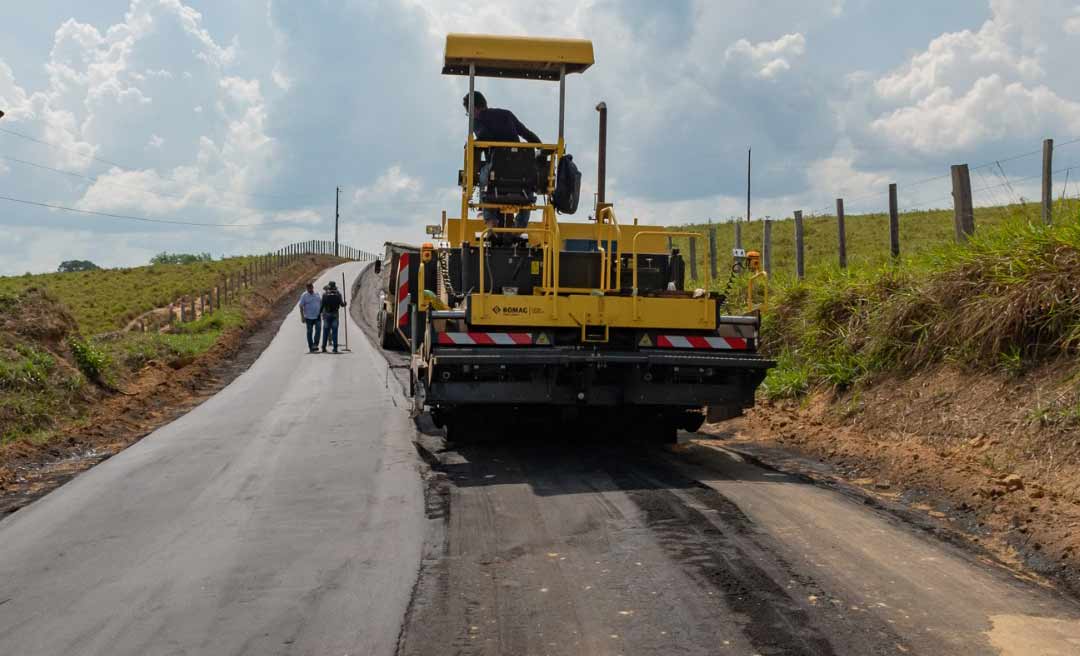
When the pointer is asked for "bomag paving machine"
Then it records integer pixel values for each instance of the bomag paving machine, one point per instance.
(583, 324)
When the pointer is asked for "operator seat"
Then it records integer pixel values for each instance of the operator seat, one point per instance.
(514, 178)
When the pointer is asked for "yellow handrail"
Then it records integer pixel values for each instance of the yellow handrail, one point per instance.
(551, 250)
(515, 144)
(634, 263)
(605, 277)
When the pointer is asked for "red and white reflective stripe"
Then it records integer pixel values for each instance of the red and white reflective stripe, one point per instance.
(486, 339)
(403, 291)
(697, 342)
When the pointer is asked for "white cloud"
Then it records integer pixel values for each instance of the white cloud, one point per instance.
(838, 174)
(210, 131)
(990, 110)
(991, 85)
(394, 183)
(282, 81)
(13, 98)
(245, 92)
(767, 59)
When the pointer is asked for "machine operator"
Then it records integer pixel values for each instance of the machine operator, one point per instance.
(492, 124)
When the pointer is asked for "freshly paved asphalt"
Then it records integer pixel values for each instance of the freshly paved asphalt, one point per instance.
(284, 515)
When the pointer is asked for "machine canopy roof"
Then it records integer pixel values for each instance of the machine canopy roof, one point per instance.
(515, 56)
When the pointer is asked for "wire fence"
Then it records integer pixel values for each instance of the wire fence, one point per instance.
(900, 219)
(256, 270)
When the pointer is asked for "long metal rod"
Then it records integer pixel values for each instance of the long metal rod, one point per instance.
(562, 103)
(748, 152)
(467, 192)
(343, 291)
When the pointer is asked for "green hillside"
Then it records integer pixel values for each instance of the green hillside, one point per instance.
(105, 300)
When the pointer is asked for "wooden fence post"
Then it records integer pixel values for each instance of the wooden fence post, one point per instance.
(963, 211)
(1047, 182)
(191, 315)
(712, 251)
(766, 246)
(738, 234)
(171, 311)
(894, 222)
(693, 258)
(800, 263)
(841, 232)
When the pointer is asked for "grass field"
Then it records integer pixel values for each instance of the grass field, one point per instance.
(1007, 301)
(105, 300)
(59, 349)
(921, 233)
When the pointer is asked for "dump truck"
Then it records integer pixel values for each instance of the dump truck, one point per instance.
(586, 324)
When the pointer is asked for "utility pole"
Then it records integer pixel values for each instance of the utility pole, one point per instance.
(1047, 182)
(748, 153)
(337, 217)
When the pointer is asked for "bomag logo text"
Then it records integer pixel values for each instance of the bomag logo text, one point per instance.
(511, 309)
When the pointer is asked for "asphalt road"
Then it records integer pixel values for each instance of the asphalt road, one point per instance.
(282, 516)
(288, 515)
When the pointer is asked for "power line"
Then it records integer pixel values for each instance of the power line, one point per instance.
(59, 147)
(165, 194)
(417, 203)
(996, 162)
(130, 217)
(128, 168)
(98, 180)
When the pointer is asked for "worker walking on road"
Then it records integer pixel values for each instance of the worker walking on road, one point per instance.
(310, 308)
(332, 301)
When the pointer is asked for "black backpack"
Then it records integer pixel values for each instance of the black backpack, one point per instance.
(567, 186)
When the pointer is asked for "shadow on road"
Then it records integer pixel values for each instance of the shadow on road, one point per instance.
(575, 463)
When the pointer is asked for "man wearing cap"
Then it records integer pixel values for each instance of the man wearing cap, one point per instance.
(332, 301)
(310, 307)
(493, 124)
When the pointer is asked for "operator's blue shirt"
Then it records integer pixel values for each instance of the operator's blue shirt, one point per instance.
(310, 303)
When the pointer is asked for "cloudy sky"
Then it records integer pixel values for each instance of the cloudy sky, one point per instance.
(250, 112)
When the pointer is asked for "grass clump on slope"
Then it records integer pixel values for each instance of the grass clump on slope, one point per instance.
(1008, 300)
(104, 300)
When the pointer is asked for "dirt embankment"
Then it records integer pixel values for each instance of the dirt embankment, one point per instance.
(993, 459)
(111, 417)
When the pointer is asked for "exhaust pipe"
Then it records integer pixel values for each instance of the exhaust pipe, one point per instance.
(601, 173)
